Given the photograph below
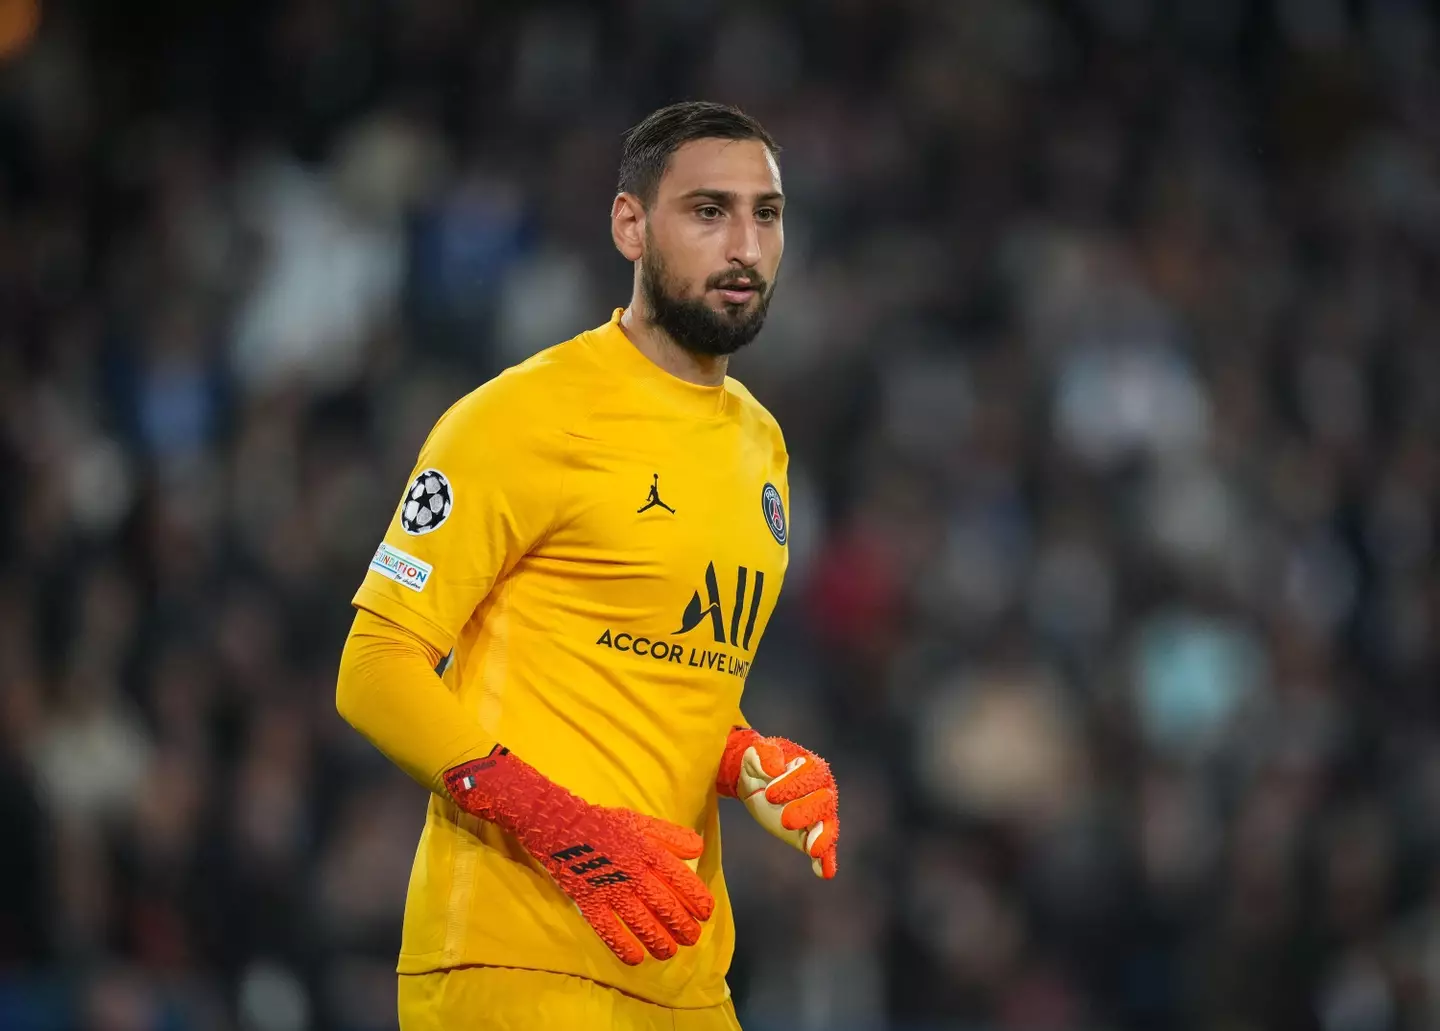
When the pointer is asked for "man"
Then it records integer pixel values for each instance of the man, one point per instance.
(597, 538)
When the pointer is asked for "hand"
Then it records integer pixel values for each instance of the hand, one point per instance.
(788, 789)
(623, 870)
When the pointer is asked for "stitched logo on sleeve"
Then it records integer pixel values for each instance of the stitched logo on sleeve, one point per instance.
(405, 570)
(427, 503)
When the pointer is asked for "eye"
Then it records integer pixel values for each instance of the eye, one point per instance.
(767, 214)
(709, 212)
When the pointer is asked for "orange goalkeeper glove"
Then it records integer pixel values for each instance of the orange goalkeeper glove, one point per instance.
(623, 870)
(788, 789)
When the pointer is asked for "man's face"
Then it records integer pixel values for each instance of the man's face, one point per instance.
(713, 240)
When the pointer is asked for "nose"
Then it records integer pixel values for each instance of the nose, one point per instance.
(743, 246)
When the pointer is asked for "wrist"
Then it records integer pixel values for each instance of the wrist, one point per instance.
(502, 788)
(728, 775)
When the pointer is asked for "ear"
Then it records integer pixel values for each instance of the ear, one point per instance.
(627, 225)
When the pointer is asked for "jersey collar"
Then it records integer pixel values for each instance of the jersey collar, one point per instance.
(619, 353)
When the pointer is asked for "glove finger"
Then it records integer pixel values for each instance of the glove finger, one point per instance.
(829, 865)
(685, 883)
(771, 756)
(823, 837)
(824, 848)
(805, 779)
(758, 772)
(613, 933)
(668, 908)
(680, 841)
(642, 922)
(809, 810)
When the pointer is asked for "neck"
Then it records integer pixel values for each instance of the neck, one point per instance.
(660, 347)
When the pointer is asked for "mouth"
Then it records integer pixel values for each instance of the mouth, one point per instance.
(738, 292)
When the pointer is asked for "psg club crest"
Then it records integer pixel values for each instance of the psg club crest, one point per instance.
(774, 510)
(427, 503)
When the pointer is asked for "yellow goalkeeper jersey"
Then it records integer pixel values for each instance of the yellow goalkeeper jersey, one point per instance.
(601, 544)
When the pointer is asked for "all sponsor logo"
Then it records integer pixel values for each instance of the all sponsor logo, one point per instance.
(697, 610)
(733, 630)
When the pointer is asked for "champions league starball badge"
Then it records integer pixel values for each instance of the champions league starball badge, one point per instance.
(427, 504)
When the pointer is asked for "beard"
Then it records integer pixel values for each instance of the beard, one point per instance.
(692, 323)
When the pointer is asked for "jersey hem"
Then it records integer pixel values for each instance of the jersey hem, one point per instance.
(433, 962)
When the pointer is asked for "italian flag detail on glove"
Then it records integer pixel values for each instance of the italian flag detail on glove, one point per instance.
(788, 789)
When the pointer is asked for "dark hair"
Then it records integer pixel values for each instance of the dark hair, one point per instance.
(648, 146)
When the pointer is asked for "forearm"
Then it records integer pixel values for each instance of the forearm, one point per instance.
(624, 871)
(388, 691)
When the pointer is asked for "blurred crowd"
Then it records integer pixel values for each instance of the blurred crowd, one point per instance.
(1107, 347)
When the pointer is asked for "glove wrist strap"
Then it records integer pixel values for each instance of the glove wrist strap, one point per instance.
(502, 788)
(728, 776)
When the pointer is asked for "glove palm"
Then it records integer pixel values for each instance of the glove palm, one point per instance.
(788, 789)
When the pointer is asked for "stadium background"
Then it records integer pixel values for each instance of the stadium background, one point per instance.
(1107, 346)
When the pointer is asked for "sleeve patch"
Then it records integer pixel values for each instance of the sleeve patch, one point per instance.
(405, 570)
(428, 502)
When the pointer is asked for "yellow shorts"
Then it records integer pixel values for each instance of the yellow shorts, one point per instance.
(510, 999)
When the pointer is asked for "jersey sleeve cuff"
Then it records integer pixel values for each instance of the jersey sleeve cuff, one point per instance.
(388, 608)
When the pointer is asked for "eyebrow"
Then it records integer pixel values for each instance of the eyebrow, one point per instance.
(730, 196)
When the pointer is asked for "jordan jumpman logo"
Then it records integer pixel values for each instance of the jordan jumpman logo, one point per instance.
(654, 498)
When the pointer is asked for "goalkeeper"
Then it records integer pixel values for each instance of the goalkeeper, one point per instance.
(596, 539)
